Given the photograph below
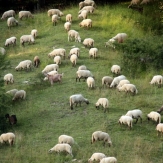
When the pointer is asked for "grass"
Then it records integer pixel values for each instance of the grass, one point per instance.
(45, 114)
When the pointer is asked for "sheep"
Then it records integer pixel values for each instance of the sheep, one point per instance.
(93, 53)
(83, 74)
(57, 60)
(36, 61)
(157, 80)
(55, 78)
(75, 51)
(127, 120)
(50, 73)
(59, 51)
(90, 9)
(74, 34)
(12, 119)
(82, 67)
(106, 80)
(116, 69)
(154, 116)
(122, 82)
(134, 2)
(110, 43)
(49, 68)
(27, 38)
(11, 21)
(159, 129)
(8, 14)
(73, 59)
(120, 37)
(26, 14)
(104, 102)
(69, 18)
(101, 136)
(20, 94)
(96, 157)
(77, 99)
(34, 33)
(62, 148)
(116, 80)
(8, 137)
(26, 64)
(83, 14)
(135, 114)
(2, 51)
(129, 88)
(108, 160)
(67, 26)
(55, 19)
(66, 139)
(86, 23)
(88, 42)
(90, 82)
(12, 92)
(8, 78)
(11, 41)
(55, 11)
(160, 110)
(86, 3)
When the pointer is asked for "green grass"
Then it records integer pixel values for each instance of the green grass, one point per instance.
(45, 114)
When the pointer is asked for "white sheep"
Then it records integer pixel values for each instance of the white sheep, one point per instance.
(93, 52)
(26, 64)
(27, 38)
(83, 15)
(108, 160)
(11, 21)
(90, 9)
(86, 3)
(9, 78)
(73, 59)
(50, 73)
(128, 88)
(75, 51)
(159, 129)
(135, 114)
(157, 80)
(96, 157)
(11, 41)
(8, 14)
(88, 42)
(69, 18)
(122, 82)
(25, 14)
(55, 19)
(154, 116)
(83, 74)
(101, 136)
(58, 52)
(66, 139)
(116, 69)
(110, 43)
(57, 60)
(55, 11)
(77, 99)
(104, 102)
(67, 26)
(86, 23)
(74, 34)
(106, 80)
(120, 37)
(49, 68)
(90, 82)
(62, 148)
(20, 94)
(2, 51)
(127, 120)
(116, 80)
(8, 137)
(34, 33)
(82, 67)
(12, 92)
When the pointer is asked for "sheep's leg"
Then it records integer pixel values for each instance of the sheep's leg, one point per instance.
(136, 121)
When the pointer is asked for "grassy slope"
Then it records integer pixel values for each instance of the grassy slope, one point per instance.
(45, 114)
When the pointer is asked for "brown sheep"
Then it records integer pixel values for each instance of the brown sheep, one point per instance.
(36, 61)
(12, 119)
(55, 78)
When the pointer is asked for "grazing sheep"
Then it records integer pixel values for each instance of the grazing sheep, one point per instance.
(122, 82)
(21, 94)
(27, 38)
(83, 14)
(66, 139)
(77, 99)
(88, 42)
(135, 114)
(90, 82)
(2, 51)
(11, 21)
(73, 59)
(134, 2)
(57, 60)
(86, 3)
(127, 120)
(86, 23)
(49, 68)
(55, 19)
(50, 73)
(116, 69)
(55, 11)
(101, 136)
(67, 26)
(83, 74)
(110, 43)
(74, 34)
(11, 41)
(90, 9)
(69, 18)
(12, 92)
(8, 78)
(62, 148)
(108, 160)
(26, 64)
(154, 116)
(106, 80)
(96, 157)
(93, 53)
(160, 110)
(75, 51)
(8, 137)
(58, 52)
(157, 80)
(104, 102)
(120, 37)
(25, 14)
(159, 129)
(116, 80)
(82, 67)
(55, 78)
(129, 88)
(34, 33)
(36, 61)
(8, 14)
(12, 119)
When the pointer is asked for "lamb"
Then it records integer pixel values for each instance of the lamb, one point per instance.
(49, 68)
(55, 11)
(67, 26)
(157, 80)
(69, 18)
(104, 102)
(159, 129)
(62, 148)
(160, 110)
(83, 14)
(2, 51)
(66, 139)
(90, 82)
(90, 9)
(25, 14)
(26, 64)
(120, 37)
(116, 80)
(55, 19)
(83, 74)
(122, 82)
(154, 116)
(8, 137)
(82, 67)
(55, 78)
(101, 136)
(36, 61)
(11, 21)
(11, 41)
(108, 160)
(27, 38)
(57, 60)
(73, 59)
(21, 94)
(56, 52)
(86, 3)
(8, 14)
(93, 53)
(86, 23)
(106, 80)
(75, 51)
(9, 78)
(77, 99)
(12, 119)
(88, 42)
(129, 88)
(116, 69)
(12, 92)
(135, 114)
(74, 34)
(34, 33)
(50, 73)
(96, 157)
(127, 120)
(110, 43)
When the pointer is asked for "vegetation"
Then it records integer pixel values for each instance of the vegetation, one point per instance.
(45, 114)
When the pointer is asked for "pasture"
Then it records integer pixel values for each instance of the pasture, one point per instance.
(46, 114)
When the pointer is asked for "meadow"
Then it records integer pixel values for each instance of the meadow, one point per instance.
(46, 114)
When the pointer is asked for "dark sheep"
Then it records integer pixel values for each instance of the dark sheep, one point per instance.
(36, 61)
(12, 119)
(160, 110)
